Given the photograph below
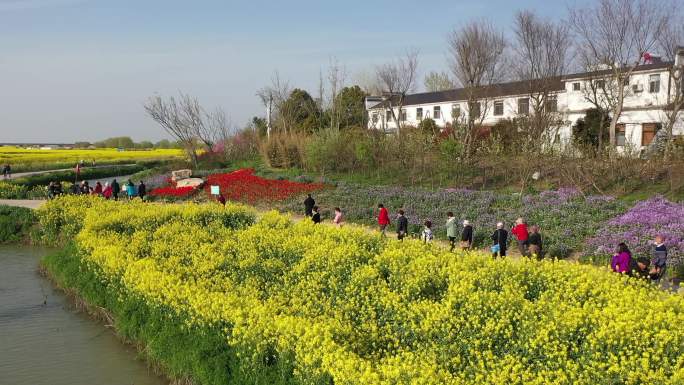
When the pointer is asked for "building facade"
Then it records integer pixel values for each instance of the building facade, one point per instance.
(648, 92)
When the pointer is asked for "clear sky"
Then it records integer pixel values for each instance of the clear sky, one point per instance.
(81, 70)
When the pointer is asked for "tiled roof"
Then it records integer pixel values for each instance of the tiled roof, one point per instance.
(510, 88)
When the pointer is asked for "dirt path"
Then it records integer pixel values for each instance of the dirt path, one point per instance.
(34, 204)
(29, 173)
(28, 203)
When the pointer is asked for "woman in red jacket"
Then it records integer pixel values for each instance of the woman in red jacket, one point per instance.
(383, 218)
(522, 235)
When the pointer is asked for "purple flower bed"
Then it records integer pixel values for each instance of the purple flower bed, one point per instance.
(638, 227)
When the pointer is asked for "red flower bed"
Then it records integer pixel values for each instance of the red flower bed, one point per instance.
(242, 185)
(171, 191)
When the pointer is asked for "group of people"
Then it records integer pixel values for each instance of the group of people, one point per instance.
(107, 191)
(529, 240)
(6, 171)
(652, 269)
(312, 211)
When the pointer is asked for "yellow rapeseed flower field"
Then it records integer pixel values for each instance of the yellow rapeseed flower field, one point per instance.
(348, 305)
(20, 157)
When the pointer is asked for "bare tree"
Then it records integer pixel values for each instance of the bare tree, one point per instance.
(396, 80)
(616, 34)
(598, 92)
(476, 53)
(368, 81)
(336, 80)
(438, 81)
(541, 53)
(671, 46)
(186, 120)
(273, 97)
(178, 118)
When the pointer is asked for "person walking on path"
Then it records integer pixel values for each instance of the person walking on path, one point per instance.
(535, 243)
(7, 171)
(309, 204)
(659, 260)
(98, 188)
(142, 190)
(107, 191)
(339, 218)
(621, 261)
(383, 218)
(130, 189)
(451, 230)
(316, 217)
(427, 236)
(85, 188)
(467, 235)
(402, 225)
(500, 238)
(115, 189)
(522, 235)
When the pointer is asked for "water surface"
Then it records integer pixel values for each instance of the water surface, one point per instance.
(45, 341)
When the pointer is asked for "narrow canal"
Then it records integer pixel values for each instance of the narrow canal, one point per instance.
(45, 341)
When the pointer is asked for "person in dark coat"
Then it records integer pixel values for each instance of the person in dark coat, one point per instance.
(116, 189)
(659, 260)
(535, 243)
(316, 217)
(142, 190)
(309, 204)
(641, 269)
(402, 225)
(85, 188)
(221, 199)
(500, 238)
(467, 235)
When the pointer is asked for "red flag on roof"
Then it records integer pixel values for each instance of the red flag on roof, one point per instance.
(647, 57)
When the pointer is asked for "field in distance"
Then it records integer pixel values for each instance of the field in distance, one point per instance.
(22, 159)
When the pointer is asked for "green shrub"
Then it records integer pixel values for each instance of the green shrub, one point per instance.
(15, 223)
(10, 190)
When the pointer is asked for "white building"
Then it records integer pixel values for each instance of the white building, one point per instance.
(645, 103)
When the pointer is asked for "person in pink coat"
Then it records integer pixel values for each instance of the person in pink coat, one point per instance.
(621, 261)
(339, 218)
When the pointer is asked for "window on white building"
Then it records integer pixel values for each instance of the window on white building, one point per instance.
(600, 84)
(498, 108)
(419, 114)
(625, 81)
(388, 116)
(436, 112)
(455, 111)
(620, 136)
(654, 83)
(551, 104)
(374, 117)
(523, 106)
(576, 86)
(402, 116)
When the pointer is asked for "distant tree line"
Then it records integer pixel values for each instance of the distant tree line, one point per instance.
(127, 143)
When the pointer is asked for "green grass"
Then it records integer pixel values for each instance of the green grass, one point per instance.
(200, 355)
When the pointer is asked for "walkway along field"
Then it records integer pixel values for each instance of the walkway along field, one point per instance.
(215, 295)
